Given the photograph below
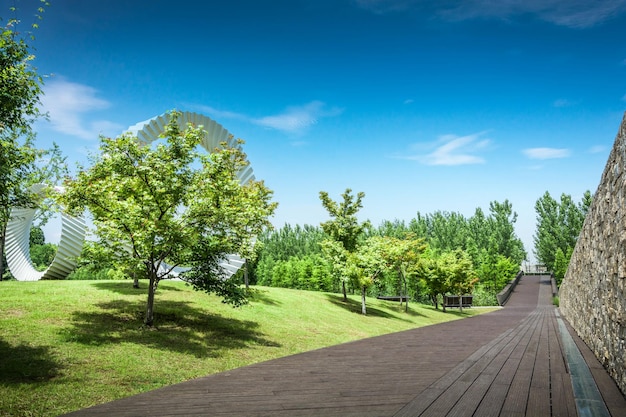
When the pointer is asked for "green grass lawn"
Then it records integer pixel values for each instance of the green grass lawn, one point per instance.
(66, 345)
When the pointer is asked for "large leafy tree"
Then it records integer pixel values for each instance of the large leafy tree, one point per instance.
(502, 221)
(451, 272)
(20, 91)
(157, 208)
(367, 264)
(343, 227)
(363, 266)
(402, 256)
(558, 226)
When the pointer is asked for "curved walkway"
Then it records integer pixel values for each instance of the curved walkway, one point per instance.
(522, 360)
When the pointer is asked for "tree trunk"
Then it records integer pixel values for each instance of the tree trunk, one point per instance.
(135, 281)
(150, 304)
(245, 275)
(345, 296)
(363, 309)
(406, 294)
(461, 303)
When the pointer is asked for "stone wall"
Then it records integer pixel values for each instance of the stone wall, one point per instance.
(593, 292)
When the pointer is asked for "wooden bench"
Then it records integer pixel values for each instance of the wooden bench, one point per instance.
(401, 298)
(457, 301)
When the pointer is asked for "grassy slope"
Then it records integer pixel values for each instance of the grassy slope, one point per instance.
(66, 345)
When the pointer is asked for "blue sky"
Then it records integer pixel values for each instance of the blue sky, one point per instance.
(422, 105)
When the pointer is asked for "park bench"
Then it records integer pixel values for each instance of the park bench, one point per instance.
(457, 301)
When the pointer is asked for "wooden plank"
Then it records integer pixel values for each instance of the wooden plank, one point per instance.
(562, 394)
(510, 363)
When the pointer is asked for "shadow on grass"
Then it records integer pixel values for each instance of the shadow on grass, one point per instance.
(26, 364)
(456, 312)
(261, 296)
(125, 287)
(400, 309)
(178, 327)
(354, 306)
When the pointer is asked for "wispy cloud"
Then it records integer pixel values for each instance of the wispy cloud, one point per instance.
(453, 150)
(624, 98)
(68, 103)
(220, 114)
(597, 149)
(546, 153)
(294, 120)
(570, 13)
(562, 102)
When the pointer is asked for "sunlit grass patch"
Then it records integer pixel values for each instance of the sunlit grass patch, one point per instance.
(67, 345)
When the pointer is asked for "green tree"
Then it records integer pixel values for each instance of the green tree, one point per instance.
(37, 236)
(343, 227)
(561, 262)
(558, 226)
(478, 229)
(280, 245)
(156, 208)
(433, 274)
(20, 84)
(368, 263)
(461, 277)
(41, 253)
(495, 272)
(585, 204)
(502, 222)
(337, 257)
(20, 91)
(451, 272)
(403, 257)
(20, 88)
(448, 231)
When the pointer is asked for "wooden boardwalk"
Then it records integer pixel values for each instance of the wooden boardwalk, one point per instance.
(522, 360)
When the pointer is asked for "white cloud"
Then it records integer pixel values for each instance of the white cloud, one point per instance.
(562, 102)
(597, 149)
(453, 150)
(570, 13)
(67, 103)
(295, 119)
(546, 153)
(220, 114)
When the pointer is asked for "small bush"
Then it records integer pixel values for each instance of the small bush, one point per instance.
(484, 297)
(89, 272)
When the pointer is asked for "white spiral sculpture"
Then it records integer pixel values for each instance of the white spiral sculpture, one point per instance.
(18, 244)
(73, 228)
(151, 129)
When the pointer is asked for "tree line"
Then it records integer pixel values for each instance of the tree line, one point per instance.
(422, 259)
(443, 251)
(559, 223)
